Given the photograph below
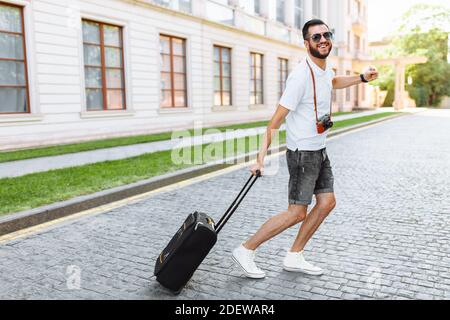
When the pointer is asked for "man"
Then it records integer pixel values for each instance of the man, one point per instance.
(306, 99)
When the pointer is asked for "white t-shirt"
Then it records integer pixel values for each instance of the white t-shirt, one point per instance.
(301, 131)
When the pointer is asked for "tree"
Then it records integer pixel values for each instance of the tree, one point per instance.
(425, 31)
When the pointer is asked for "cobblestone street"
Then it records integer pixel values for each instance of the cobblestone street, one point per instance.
(388, 237)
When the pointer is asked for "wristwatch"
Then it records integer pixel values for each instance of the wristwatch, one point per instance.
(362, 78)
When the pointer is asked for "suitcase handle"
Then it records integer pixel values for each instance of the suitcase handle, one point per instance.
(227, 215)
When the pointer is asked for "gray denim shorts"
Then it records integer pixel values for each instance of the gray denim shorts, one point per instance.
(309, 173)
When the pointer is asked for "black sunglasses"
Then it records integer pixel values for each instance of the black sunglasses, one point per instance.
(317, 36)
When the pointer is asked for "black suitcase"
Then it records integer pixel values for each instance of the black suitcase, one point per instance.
(191, 243)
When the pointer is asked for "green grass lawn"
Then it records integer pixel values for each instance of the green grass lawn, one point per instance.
(42, 188)
(38, 189)
(112, 142)
(350, 122)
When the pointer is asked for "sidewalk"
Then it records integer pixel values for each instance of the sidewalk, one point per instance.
(23, 167)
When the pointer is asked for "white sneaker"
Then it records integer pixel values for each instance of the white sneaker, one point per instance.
(245, 259)
(294, 261)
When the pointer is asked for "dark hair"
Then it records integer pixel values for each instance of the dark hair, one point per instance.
(311, 23)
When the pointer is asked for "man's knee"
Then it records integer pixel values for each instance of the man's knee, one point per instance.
(326, 205)
(297, 213)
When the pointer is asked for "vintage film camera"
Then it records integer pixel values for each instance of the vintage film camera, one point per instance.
(324, 123)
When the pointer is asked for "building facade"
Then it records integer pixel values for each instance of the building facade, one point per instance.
(82, 70)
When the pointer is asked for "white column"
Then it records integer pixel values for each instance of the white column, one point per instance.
(324, 10)
(265, 8)
(399, 86)
(289, 11)
(239, 18)
(199, 8)
(308, 9)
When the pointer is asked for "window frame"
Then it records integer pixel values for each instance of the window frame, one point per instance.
(356, 96)
(348, 94)
(300, 11)
(349, 41)
(221, 75)
(172, 73)
(257, 7)
(281, 6)
(103, 65)
(316, 5)
(282, 81)
(333, 91)
(25, 58)
(254, 79)
(357, 43)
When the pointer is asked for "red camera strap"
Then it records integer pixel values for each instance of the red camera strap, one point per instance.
(314, 87)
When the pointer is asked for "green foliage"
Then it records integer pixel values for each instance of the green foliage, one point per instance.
(419, 94)
(389, 100)
(424, 17)
(424, 34)
(386, 78)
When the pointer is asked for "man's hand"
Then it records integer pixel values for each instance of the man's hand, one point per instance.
(371, 73)
(257, 166)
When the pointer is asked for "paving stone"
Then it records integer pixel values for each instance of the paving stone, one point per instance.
(387, 238)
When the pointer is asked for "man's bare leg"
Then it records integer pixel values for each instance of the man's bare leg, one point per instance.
(277, 224)
(325, 202)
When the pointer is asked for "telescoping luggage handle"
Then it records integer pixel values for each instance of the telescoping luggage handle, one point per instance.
(227, 215)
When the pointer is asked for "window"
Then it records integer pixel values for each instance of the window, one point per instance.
(163, 2)
(182, 5)
(356, 91)
(280, 10)
(316, 8)
(256, 78)
(222, 76)
(347, 90)
(333, 92)
(257, 7)
(357, 43)
(14, 94)
(219, 11)
(103, 66)
(348, 41)
(252, 7)
(173, 72)
(298, 14)
(282, 75)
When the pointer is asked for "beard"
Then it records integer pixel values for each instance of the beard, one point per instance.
(315, 53)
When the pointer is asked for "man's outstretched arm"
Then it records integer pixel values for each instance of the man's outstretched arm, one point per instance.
(341, 82)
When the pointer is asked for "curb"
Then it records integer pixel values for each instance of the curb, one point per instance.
(30, 218)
